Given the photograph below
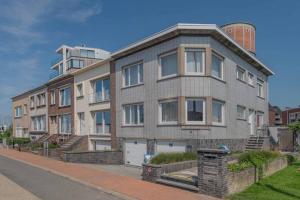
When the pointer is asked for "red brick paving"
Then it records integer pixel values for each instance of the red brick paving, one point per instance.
(130, 187)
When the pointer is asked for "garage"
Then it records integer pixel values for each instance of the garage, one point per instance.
(170, 146)
(100, 145)
(135, 151)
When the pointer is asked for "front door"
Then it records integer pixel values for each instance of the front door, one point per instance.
(251, 121)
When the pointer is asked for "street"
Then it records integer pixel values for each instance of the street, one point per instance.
(45, 185)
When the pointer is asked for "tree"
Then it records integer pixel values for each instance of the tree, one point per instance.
(295, 128)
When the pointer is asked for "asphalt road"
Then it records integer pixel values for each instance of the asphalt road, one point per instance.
(46, 185)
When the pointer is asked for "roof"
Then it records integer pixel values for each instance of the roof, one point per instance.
(194, 29)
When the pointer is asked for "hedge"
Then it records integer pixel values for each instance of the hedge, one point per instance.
(166, 158)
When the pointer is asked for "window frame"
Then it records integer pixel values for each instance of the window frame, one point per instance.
(203, 62)
(213, 53)
(140, 78)
(160, 77)
(260, 84)
(52, 97)
(160, 111)
(139, 123)
(60, 124)
(222, 110)
(244, 117)
(93, 98)
(103, 122)
(32, 102)
(18, 111)
(60, 96)
(250, 74)
(79, 93)
(203, 112)
(243, 71)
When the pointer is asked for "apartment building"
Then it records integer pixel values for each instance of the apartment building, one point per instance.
(38, 112)
(186, 87)
(20, 116)
(290, 115)
(92, 104)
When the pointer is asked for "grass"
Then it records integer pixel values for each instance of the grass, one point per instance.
(166, 158)
(283, 185)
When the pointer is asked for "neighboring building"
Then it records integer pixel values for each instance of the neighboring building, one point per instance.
(38, 112)
(186, 87)
(290, 115)
(20, 115)
(73, 58)
(92, 104)
(274, 116)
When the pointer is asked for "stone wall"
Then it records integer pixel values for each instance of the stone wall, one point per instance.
(152, 172)
(100, 157)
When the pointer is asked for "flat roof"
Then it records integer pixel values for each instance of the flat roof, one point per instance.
(194, 29)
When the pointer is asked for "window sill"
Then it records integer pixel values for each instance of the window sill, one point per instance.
(131, 86)
(167, 124)
(261, 97)
(251, 85)
(41, 106)
(167, 78)
(218, 79)
(52, 105)
(79, 97)
(194, 127)
(194, 74)
(132, 126)
(64, 106)
(242, 81)
(18, 117)
(218, 125)
(99, 102)
(241, 119)
(100, 134)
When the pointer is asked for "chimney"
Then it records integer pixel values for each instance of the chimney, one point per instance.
(243, 33)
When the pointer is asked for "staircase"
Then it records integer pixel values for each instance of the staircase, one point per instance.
(75, 139)
(260, 141)
(190, 185)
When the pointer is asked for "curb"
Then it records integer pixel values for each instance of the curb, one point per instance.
(107, 191)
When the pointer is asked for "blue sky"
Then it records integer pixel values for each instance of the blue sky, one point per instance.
(31, 30)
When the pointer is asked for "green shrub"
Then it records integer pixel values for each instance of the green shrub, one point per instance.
(166, 158)
(237, 167)
(18, 141)
(291, 159)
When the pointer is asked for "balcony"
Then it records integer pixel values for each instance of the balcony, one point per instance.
(53, 74)
(98, 97)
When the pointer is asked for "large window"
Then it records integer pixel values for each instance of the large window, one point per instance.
(75, 63)
(101, 90)
(65, 96)
(260, 88)
(168, 65)
(133, 114)
(241, 112)
(133, 75)
(18, 111)
(38, 123)
(65, 124)
(218, 112)
(195, 61)
(240, 74)
(217, 66)
(195, 110)
(41, 99)
(87, 53)
(102, 122)
(168, 111)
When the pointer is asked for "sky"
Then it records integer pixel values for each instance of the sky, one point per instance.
(31, 31)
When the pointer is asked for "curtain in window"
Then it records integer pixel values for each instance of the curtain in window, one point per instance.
(169, 111)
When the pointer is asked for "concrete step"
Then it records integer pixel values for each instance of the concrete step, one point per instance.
(177, 185)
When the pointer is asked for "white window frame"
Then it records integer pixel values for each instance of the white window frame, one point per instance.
(32, 101)
(103, 122)
(18, 111)
(204, 111)
(52, 97)
(240, 70)
(140, 66)
(203, 60)
(250, 75)
(223, 113)
(139, 123)
(79, 93)
(244, 112)
(160, 111)
(60, 96)
(259, 113)
(94, 93)
(222, 66)
(260, 84)
(41, 120)
(160, 67)
(81, 122)
(60, 124)
(41, 99)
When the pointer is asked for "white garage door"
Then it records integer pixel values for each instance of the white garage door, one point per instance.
(102, 145)
(167, 146)
(134, 152)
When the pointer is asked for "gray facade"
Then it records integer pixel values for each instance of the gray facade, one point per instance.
(232, 91)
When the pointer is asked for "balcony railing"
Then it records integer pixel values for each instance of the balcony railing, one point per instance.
(56, 60)
(99, 97)
(53, 74)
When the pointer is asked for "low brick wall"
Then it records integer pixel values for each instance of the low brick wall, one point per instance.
(152, 172)
(100, 157)
(239, 181)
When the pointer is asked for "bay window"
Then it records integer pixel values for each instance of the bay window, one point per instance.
(195, 110)
(217, 66)
(195, 61)
(168, 65)
(133, 114)
(168, 111)
(133, 75)
(65, 96)
(218, 112)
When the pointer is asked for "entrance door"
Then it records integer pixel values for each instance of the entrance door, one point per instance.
(251, 121)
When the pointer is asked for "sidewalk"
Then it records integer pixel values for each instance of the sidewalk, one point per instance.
(121, 186)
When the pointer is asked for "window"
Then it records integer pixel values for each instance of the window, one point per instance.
(217, 66)
(101, 90)
(38, 123)
(41, 99)
(18, 111)
(19, 132)
(241, 112)
(87, 53)
(60, 69)
(102, 122)
(65, 124)
(259, 119)
(168, 65)
(195, 61)
(250, 78)
(52, 97)
(240, 74)
(65, 96)
(218, 112)
(75, 63)
(260, 88)
(81, 122)
(168, 111)
(133, 75)
(133, 114)
(32, 102)
(195, 110)
(79, 90)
